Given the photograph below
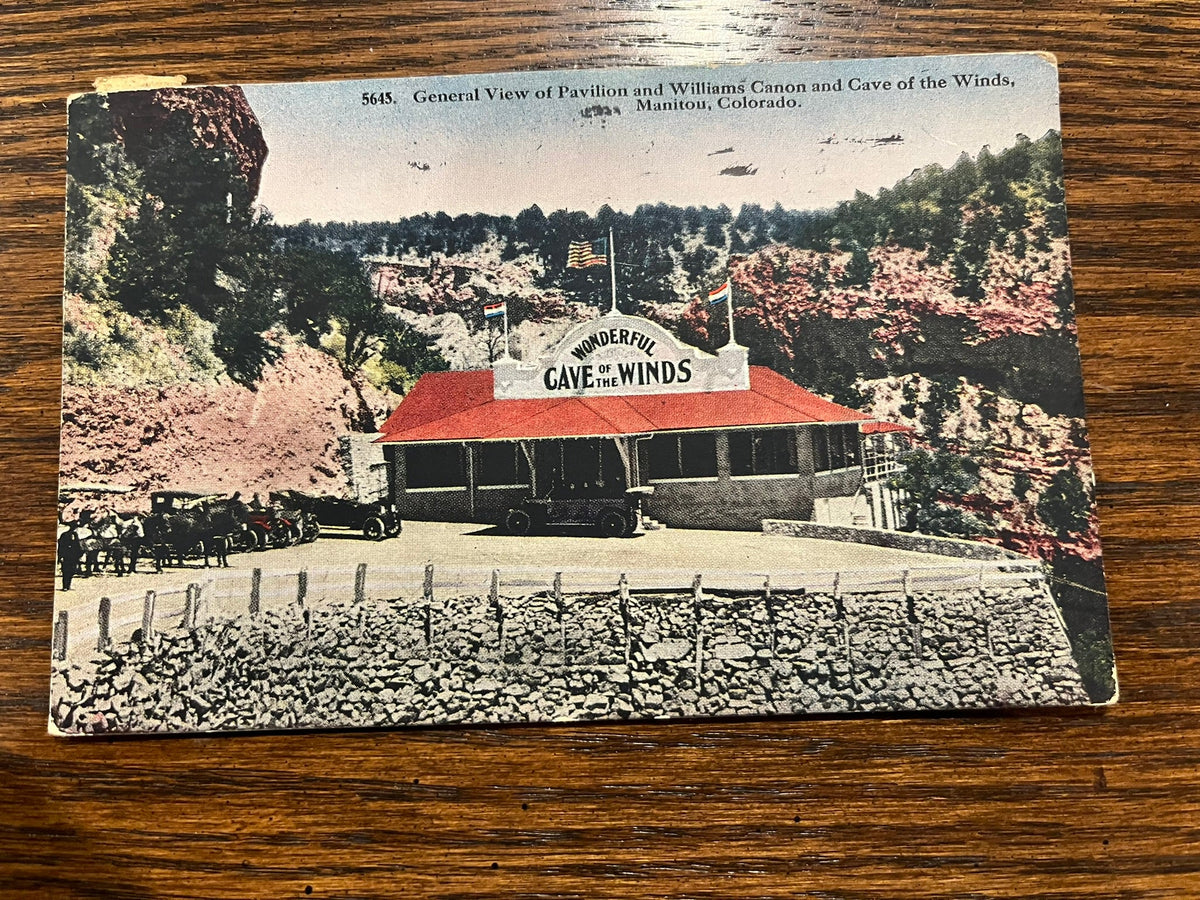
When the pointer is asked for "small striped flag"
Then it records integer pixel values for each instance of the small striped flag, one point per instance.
(720, 295)
(493, 310)
(582, 254)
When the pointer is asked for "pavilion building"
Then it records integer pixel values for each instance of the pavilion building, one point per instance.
(620, 403)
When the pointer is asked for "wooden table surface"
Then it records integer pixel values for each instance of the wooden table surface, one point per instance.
(1045, 804)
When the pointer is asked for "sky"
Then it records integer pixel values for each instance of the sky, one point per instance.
(333, 157)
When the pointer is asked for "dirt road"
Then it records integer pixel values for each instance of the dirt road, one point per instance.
(457, 545)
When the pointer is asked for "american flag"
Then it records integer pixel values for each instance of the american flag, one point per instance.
(582, 254)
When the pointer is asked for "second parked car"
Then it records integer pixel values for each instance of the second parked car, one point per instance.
(375, 520)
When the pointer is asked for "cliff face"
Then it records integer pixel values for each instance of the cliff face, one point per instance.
(217, 118)
(218, 437)
(162, 310)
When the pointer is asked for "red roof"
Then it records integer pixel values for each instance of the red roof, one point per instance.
(459, 406)
(884, 427)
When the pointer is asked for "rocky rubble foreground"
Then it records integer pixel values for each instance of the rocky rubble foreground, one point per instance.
(344, 664)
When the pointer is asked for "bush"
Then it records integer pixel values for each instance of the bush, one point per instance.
(1065, 504)
(934, 485)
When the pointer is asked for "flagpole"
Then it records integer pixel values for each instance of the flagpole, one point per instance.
(612, 270)
(729, 303)
(506, 356)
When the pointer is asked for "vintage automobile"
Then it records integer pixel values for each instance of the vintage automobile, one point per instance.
(287, 522)
(272, 527)
(177, 501)
(375, 520)
(609, 516)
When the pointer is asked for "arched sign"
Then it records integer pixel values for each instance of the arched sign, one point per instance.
(617, 354)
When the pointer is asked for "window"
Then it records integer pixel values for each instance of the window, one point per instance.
(680, 455)
(698, 455)
(500, 463)
(435, 465)
(835, 447)
(769, 452)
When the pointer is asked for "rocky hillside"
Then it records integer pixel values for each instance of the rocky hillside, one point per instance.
(179, 371)
(210, 435)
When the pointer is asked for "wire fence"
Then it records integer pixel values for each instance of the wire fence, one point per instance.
(422, 589)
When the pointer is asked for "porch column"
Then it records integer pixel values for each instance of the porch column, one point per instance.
(723, 457)
(627, 450)
(531, 461)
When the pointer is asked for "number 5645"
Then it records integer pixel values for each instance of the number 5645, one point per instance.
(381, 98)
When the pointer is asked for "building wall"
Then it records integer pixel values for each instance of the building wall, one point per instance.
(841, 499)
(436, 505)
(737, 504)
(488, 504)
(731, 502)
(365, 467)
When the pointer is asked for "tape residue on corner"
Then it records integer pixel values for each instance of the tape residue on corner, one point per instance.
(109, 84)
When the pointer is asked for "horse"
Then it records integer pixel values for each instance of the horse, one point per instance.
(90, 544)
(103, 535)
(182, 533)
(226, 526)
(131, 536)
(99, 535)
(205, 530)
(108, 535)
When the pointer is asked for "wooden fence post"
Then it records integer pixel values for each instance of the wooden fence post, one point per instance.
(59, 641)
(837, 585)
(102, 624)
(770, 606)
(623, 606)
(301, 587)
(255, 593)
(202, 602)
(360, 583)
(849, 652)
(494, 602)
(906, 583)
(189, 607)
(562, 623)
(427, 593)
(148, 616)
(697, 599)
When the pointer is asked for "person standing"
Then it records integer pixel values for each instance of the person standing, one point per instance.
(69, 554)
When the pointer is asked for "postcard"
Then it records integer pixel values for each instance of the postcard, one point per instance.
(573, 395)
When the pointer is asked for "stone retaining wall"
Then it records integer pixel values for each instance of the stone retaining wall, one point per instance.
(370, 664)
(897, 540)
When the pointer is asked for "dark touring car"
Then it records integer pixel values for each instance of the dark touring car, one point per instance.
(609, 516)
(375, 520)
